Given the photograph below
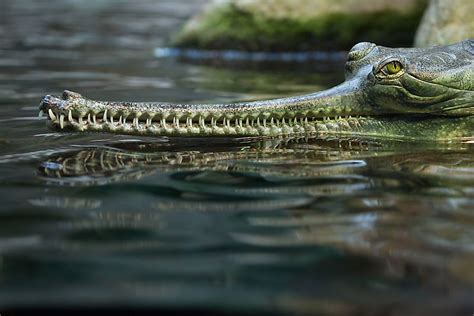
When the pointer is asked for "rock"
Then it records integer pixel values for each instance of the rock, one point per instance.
(302, 24)
(446, 22)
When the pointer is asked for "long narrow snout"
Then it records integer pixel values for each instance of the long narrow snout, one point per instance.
(286, 116)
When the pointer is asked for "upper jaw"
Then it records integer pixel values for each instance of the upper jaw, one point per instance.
(50, 102)
(270, 117)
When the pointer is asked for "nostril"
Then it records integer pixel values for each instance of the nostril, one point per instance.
(45, 101)
(50, 101)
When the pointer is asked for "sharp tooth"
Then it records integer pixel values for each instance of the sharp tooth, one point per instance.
(104, 118)
(94, 119)
(61, 121)
(40, 114)
(135, 121)
(120, 119)
(51, 115)
(89, 118)
(69, 116)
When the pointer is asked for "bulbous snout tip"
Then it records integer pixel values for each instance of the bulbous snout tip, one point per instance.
(50, 104)
(51, 101)
(48, 101)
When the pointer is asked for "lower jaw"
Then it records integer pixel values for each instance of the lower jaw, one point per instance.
(399, 127)
(254, 130)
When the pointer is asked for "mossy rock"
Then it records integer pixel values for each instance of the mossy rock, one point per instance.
(280, 27)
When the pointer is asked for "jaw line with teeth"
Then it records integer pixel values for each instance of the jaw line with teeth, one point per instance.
(304, 114)
(95, 116)
(65, 119)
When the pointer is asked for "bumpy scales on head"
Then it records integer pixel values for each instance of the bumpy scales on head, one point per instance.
(403, 93)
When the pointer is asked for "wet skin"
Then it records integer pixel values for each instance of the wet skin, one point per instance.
(397, 93)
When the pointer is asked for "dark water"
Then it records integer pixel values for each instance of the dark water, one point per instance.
(301, 226)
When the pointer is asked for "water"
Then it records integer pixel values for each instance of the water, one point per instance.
(301, 226)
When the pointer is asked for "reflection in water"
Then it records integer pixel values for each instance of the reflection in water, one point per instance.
(382, 220)
(267, 158)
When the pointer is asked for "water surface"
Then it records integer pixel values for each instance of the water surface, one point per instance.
(300, 226)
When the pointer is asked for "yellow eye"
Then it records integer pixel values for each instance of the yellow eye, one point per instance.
(392, 68)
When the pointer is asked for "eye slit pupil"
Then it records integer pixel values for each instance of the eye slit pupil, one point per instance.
(392, 68)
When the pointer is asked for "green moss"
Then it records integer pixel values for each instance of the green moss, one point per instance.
(233, 28)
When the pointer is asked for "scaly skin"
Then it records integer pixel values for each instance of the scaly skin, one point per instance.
(402, 93)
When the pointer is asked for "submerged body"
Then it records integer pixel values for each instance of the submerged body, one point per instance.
(403, 93)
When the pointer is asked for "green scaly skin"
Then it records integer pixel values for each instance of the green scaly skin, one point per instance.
(429, 95)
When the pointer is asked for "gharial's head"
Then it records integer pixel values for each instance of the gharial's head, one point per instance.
(381, 83)
(437, 80)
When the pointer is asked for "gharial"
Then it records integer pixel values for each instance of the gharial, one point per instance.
(402, 93)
